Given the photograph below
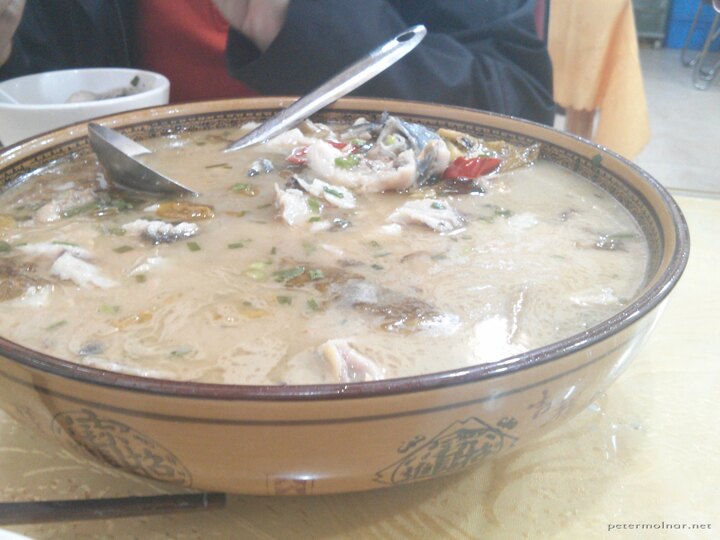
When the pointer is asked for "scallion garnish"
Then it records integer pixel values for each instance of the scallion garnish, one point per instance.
(244, 188)
(333, 192)
(219, 166)
(347, 162)
(56, 325)
(315, 274)
(315, 205)
(289, 273)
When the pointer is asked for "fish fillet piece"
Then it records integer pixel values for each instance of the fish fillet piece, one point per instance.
(433, 213)
(81, 272)
(347, 364)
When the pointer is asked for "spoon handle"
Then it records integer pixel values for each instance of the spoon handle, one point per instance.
(344, 82)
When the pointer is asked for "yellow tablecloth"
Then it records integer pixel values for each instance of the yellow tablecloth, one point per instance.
(596, 65)
(646, 453)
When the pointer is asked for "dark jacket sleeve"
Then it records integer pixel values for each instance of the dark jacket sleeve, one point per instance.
(478, 53)
(68, 34)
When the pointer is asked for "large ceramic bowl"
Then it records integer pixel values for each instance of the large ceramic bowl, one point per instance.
(335, 438)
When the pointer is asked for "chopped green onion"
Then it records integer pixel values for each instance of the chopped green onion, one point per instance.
(285, 300)
(236, 245)
(315, 205)
(56, 325)
(182, 351)
(377, 266)
(193, 246)
(4, 246)
(273, 251)
(135, 80)
(116, 231)
(437, 206)
(219, 165)
(314, 219)
(315, 274)
(347, 162)
(333, 192)
(122, 249)
(244, 188)
(121, 205)
(108, 309)
(312, 305)
(289, 273)
(256, 271)
(83, 208)
(141, 278)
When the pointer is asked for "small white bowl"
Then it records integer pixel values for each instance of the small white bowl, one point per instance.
(41, 99)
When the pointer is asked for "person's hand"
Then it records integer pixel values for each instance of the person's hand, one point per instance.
(10, 15)
(258, 20)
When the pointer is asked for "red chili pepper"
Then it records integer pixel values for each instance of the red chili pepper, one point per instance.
(337, 144)
(298, 156)
(471, 167)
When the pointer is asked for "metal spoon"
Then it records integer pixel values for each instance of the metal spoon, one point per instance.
(344, 82)
(117, 153)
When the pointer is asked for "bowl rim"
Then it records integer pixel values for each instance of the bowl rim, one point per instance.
(652, 297)
(162, 84)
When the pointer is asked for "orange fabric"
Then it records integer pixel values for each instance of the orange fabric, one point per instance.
(596, 66)
(185, 41)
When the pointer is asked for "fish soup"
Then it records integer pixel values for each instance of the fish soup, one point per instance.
(330, 254)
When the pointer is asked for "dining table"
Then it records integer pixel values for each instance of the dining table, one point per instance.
(642, 461)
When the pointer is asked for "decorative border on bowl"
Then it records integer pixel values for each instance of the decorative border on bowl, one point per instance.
(219, 119)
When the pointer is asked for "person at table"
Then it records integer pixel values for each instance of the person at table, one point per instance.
(480, 54)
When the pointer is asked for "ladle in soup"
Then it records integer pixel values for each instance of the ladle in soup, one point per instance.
(118, 153)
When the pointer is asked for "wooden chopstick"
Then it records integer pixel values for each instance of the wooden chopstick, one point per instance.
(25, 513)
